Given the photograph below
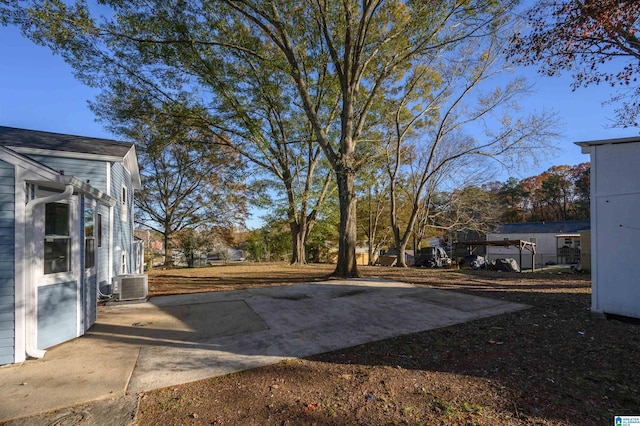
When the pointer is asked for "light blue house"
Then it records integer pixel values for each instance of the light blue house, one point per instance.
(66, 229)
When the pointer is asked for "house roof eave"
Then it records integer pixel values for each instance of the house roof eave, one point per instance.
(66, 154)
(59, 142)
(17, 159)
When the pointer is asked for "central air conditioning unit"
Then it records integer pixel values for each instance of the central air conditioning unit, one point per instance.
(131, 287)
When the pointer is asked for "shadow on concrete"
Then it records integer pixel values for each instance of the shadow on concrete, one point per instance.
(186, 325)
(189, 337)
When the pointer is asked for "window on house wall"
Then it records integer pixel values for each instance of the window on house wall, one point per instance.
(99, 230)
(123, 265)
(123, 203)
(533, 240)
(89, 239)
(57, 241)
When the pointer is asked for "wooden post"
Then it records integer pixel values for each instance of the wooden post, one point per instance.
(520, 249)
(533, 260)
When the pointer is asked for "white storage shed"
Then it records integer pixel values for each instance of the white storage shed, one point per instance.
(615, 225)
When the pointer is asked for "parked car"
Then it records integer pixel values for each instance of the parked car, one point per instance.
(432, 257)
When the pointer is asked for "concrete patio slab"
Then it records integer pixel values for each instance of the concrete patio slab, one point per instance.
(81, 370)
(177, 339)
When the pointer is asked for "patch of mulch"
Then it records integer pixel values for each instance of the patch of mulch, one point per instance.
(551, 364)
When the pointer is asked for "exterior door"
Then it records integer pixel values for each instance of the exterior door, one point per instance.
(56, 271)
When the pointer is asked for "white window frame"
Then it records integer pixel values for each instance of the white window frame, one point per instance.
(123, 262)
(74, 229)
(66, 238)
(124, 203)
(90, 205)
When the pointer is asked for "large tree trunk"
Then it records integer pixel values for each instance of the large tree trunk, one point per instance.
(395, 227)
(298, 236)
(168, 255)
(347, 266)
(371, 253)
(371, 234)
(401, 241)
(402, 258)
(298, 225)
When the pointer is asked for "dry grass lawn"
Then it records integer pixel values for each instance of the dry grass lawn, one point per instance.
(552, 364)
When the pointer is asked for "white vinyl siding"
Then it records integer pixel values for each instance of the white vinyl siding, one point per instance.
(86, 170)
(124, 204)
(122, 228)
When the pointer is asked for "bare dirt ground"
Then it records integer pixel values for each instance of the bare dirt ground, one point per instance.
(552, 364)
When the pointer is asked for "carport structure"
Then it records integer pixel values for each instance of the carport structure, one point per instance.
(520, 244)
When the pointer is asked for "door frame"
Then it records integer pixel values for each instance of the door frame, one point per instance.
(42, 280)
(89, 304)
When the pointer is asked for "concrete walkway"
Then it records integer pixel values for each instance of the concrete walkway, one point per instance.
(177, 339)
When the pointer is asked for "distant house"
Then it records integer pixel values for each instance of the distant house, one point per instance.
(66, 229)
(615, 225)
(556, 242)
(153, 246)
(329, 254)
(153, 240)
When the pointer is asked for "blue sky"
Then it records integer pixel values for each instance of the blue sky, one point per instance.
(38, 91)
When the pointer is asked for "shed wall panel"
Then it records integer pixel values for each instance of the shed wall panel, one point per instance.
(616, 169)
(617, 231)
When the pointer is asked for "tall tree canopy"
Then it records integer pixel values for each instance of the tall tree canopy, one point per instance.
(457, 123)
(596, 40)
(557, 194)
(186, 184)
(336, 60)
